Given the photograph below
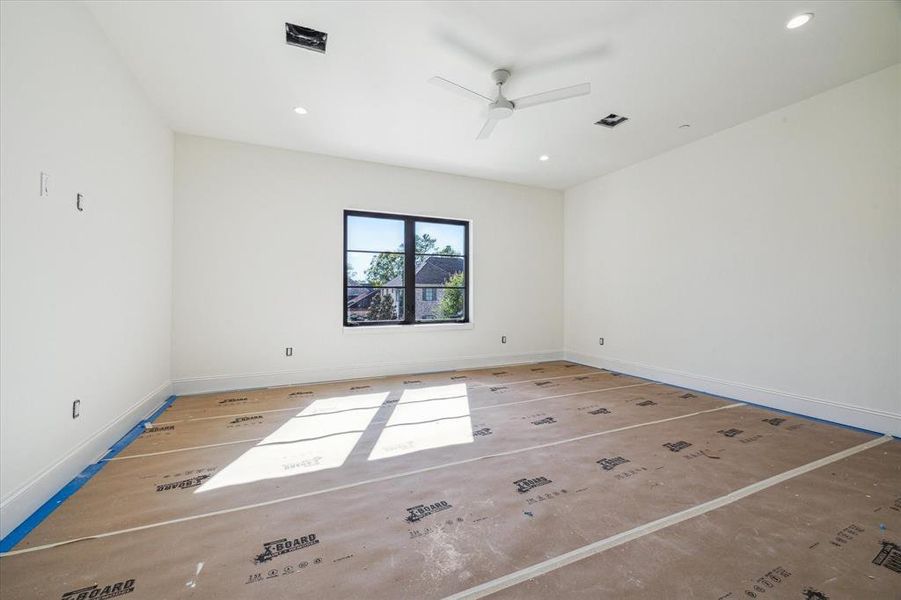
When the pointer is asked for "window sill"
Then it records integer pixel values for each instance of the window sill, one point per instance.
(420, 327)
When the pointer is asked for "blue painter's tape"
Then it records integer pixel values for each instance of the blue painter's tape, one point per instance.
(16, 535)
(136, 431)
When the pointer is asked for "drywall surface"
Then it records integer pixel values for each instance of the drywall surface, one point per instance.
(258, 267)
(760, 263)
(85, 298)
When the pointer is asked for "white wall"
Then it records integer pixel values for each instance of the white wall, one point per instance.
(762, 262)
(85, 297)
(258, 267)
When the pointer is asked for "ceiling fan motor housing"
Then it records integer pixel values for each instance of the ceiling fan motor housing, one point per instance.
(500, 109)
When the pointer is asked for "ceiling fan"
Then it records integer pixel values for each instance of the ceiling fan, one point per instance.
(501, 108)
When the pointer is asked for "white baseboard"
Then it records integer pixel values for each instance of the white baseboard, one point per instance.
(19, 504)
(818, 408)
(223, 383)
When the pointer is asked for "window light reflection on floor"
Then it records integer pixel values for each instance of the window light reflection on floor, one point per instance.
(321, 436)
(424, 418)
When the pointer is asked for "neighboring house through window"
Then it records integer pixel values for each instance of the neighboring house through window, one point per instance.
(402, 269)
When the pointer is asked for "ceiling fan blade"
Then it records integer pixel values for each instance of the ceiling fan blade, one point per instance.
(487, 128)
(458, 89)
(552, 96)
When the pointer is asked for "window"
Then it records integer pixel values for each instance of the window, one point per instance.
(401, 270)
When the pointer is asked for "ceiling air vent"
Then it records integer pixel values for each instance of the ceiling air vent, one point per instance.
(304, 37)
(612, 120)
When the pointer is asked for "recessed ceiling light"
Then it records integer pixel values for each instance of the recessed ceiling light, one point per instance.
(544, 157)
(300, 110)
(798, 21)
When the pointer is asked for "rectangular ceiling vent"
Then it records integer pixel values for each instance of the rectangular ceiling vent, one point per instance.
(612, 120)
(304, 37)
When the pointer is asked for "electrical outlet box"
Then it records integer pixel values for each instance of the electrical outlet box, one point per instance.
(601, 341)
(76, 409)
(503, 339)
(289, 351)
(45, 184)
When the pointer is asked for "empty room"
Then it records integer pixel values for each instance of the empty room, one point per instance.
(450, 300)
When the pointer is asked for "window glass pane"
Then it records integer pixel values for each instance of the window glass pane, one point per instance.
(367, 305)
(376, 259)
(448, 305)
(440, 271)
(439, 238)
(370, 233)
(375, 268)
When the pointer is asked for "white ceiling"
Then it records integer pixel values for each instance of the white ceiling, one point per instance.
(222, 69)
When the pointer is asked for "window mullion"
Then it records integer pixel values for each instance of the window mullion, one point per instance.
(344, 289)
(466, 251)
(409, 270)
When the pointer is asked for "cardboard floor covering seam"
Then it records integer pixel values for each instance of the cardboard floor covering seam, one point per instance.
(129, 456)
(359, 483)
(593, 371)
(301, 407)
(589, 374)
(551, 564)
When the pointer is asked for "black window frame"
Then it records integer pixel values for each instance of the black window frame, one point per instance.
(409, 252)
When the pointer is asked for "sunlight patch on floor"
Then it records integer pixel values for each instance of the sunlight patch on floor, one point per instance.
(321, 436)
(424, 418)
